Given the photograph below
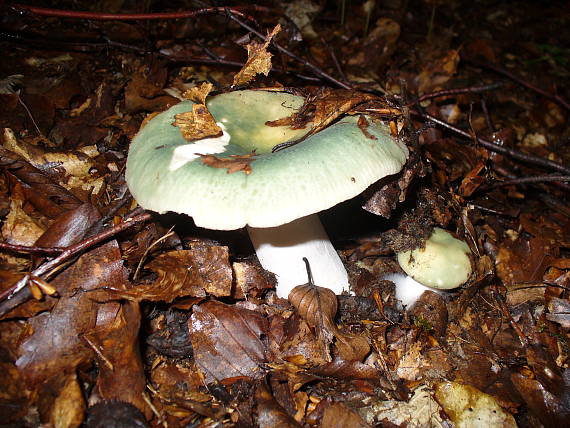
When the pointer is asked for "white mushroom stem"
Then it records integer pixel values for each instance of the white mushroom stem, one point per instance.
(281, 250)
(408, 290)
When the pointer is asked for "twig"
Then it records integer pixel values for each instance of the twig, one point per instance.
(536, 179)
(31, 249)
(468, 90)
(490, 210)
(515, 154)
(101, 16)
(488, 120)
(287, 52)
(334, 58)
(556, 98)
(72, 251)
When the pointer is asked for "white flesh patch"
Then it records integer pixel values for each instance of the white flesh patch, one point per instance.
(207, 146)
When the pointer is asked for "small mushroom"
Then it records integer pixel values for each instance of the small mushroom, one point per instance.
(276, 195)
(444, 263)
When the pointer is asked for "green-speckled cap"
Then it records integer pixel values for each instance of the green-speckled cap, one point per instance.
(165, 172)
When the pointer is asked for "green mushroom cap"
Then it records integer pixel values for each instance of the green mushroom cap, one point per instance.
(166, 173)
(443, 263)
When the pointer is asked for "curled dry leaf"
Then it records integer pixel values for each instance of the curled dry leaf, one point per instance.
(318, 306)
(198, 94)
(197, 124)
(258, 60)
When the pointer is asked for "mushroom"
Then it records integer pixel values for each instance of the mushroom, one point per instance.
(276, 195)
(444, 263)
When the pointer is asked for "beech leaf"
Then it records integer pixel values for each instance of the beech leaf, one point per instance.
(197, 124)
(258, 60)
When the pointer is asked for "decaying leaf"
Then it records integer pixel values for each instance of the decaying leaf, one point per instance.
(258, 60)
(198, 94)
(56, 344)
(337, 415)
(251, 279)
(197, 124)
(48, 197)
(202, 270)
(121, 373)
(552, 409)
(227, 341)
(69, 407)
(420, 411)
(269, 413)
(19, 227)
(468, 407)
(234, 163)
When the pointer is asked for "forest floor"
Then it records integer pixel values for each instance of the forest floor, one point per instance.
(113, 316)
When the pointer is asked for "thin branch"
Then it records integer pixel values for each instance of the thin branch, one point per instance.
(101, 16)
(287, 52)
(31, 249)
(334, 58)
(468, 90)
(499, 70)
(515, 154)
(536, 179)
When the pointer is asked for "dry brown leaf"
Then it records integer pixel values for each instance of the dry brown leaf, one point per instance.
(19, 228)
(227, 341)
(331, 104)
(258, 60)
(318, 306)
(121, 374)
(197, 124)
(472, 180)
(202, 270)
(56, 345)
(198, 94)
(234, 163)
(552, 409)
(337, 415)
(68, 409)
(269, 413)
(251, 279)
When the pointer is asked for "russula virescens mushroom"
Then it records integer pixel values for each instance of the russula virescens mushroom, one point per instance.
(276, 195)
(444, 263)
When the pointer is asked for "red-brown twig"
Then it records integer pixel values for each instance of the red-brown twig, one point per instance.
(72, 251)
(30, 249)
(101, 16)
(468, 90)
(287, 52)
(515, 154)
(499, 70)
(535, 179)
